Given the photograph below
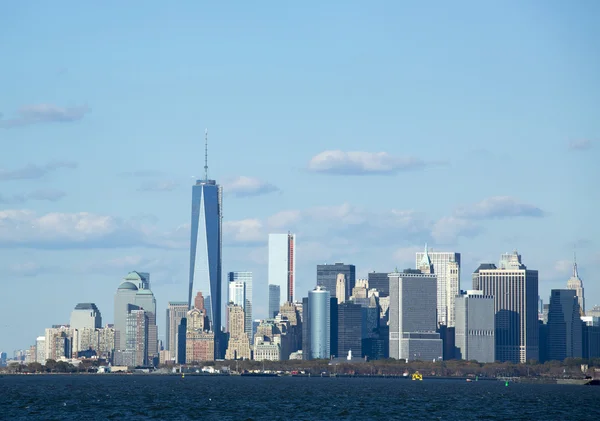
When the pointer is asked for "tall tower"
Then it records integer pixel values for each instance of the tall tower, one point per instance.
(319, 320)
(282, 265)
(515, 292)
(340, 288)
(206, 243)
(575, 283)
(245, 278)
(446, 267)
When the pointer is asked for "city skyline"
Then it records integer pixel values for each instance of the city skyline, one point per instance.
(107, 189)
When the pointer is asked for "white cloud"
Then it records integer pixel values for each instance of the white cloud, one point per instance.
(448, 229)
(245, 231)
(563, 267)
(362, 163)
(243, 186)
(158, 186)
(580, 144)
(45, 113)
(31, 171)
(498, 207)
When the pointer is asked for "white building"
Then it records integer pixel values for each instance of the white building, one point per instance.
(282, 265)
(40, 349)
(446, 266)
(86, 316)
(412, 317)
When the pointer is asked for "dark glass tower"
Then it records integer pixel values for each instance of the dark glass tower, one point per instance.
(206, 245)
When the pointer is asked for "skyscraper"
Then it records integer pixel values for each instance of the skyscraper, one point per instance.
(575, 283)
(340, 288)
(282, 265)
(475, 329)
(564, 326)
(515, 292)
(327, 277)
(176, 311)
(446, 267)
(246, 279)
(381, 282)
(412, 316)
(274, 300)
(349, 329)
(206, 245)
(319, 319)
(86, 316)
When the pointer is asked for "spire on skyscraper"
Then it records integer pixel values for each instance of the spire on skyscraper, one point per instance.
(206, 154)
(575, 272)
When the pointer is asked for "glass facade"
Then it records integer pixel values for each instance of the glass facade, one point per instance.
(206, 245)
(319, 319)
(327, 277)
(274, 300)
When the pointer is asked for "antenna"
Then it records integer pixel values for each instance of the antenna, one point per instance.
(206, 154)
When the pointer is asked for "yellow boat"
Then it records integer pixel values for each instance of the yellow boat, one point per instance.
(417, 376)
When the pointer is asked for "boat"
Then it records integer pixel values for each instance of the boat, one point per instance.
(417, 376)
(469, 380)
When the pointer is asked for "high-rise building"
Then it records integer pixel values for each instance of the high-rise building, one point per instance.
(132, 295)
(40, 350)
(246, 279)
(340, 288)
(475, 329)
(274, 300)
(206, 246)
(446, 266)
(327, 277)
(176, 311)
(576, 284)
(564, 326)
(86, 315)
(515, 292)
(319, 319)
(238, 347)
(199, 343)
(282, 265)
(137, 338)
(124, 297)
(349, 332)
(412, 319)
(380, 282)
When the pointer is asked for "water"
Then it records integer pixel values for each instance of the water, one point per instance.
(139, 397)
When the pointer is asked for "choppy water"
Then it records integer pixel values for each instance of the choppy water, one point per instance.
(100, 397)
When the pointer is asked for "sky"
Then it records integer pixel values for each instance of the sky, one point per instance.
(366, 128)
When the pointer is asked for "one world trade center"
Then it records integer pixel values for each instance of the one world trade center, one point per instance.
(205, 245)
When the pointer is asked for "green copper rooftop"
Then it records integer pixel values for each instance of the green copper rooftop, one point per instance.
(128, 285)
(133, 276)
(425, 261)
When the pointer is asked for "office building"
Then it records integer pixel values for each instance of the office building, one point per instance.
(136, 339)
(199, 340)
(238, 346)
(86, 316)
(40, 350)
(319, 320)
(446, 267)
(206, 248)
(274, 300)
(340, 288)
(564, 338)
(475, 330)
(176, 310)
(576, 284)
(246, 278)
(515, 292)
(282, 265)
(333, 326)
(412, 317)
(327, 277)
(380, 282)
(349, 331)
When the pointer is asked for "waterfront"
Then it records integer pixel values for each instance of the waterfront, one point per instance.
(96, 397)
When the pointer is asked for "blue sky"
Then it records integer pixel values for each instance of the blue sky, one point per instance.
(367, 129)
